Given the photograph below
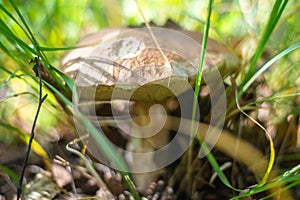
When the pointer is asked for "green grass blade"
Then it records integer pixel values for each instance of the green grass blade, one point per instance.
(11, 75)
(263, 68)
(200, 69)
(15, 40)
(207, 152)
(198, 83)
(201, 61)
(28, 31)
(213, 162)
(12, 17)
(204, 147)
(9, 172)
(274, 17)
(58, 48)
(98, 136)
(100, 139)
(28, 51)
(289, 179)
(104, 145)
(269, 64)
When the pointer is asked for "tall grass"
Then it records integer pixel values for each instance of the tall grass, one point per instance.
(60, 89)
(252, 73)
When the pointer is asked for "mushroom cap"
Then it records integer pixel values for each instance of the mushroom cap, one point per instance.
(128, 63)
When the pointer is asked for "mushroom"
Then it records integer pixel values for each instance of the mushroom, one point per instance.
(147, 67)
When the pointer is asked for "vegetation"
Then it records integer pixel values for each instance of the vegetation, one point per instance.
(262, 96)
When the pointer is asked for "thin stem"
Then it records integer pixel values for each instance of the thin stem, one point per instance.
(41, 100)
(198, 82)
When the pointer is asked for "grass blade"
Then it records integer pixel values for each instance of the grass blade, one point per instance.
(99, 137)
(269, 64)
(197, 85)
(274, 17)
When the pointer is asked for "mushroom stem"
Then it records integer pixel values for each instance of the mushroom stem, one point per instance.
(149, 122)
(147, 136)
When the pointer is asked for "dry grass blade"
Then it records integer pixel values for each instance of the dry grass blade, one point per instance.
(89, 167)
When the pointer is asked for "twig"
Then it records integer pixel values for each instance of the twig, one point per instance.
(41, 100)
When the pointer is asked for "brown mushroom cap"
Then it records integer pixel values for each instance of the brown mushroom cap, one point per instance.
(126, 63)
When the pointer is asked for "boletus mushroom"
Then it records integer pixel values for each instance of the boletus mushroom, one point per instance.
(146, 68)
